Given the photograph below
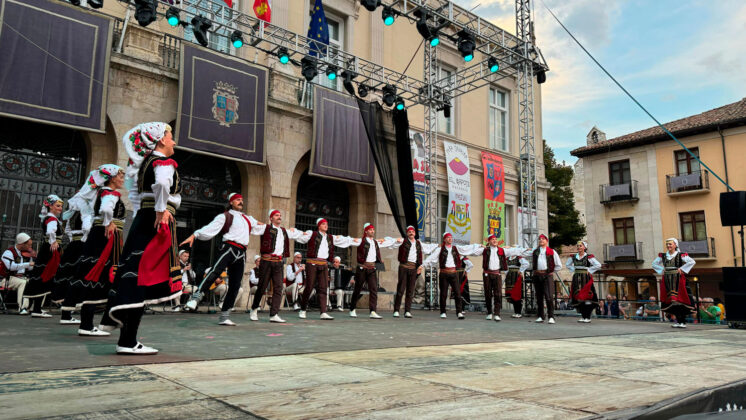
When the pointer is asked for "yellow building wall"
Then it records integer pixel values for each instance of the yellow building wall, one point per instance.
(711, 153)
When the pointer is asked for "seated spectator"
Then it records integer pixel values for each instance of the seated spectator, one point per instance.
(16, 260)
(624, 307)
(339, 279)
(188, 278)
(709, 313)
(601, 309)
(295, 274)
(652, 309)
(612, 307)
(719, 304)
(220, 288)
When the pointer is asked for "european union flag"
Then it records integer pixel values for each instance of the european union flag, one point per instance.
(318, 31)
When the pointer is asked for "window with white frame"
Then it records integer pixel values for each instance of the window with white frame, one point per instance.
(445, 125)
(499, 117)
(217, 39)
(336, 39)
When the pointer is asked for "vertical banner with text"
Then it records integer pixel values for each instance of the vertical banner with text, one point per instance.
(459, 192)
(421, 175)
(494, 196)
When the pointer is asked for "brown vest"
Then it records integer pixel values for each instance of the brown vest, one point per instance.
(404, 251)
(487, 254)
(442, 258)
(269, 239)
(362, 251)
(549, 256)
(315, 242)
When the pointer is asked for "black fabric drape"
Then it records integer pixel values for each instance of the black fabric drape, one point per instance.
(388, 136)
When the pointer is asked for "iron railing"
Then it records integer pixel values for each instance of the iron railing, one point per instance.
(693, 181)
(618, 193)
(704, 248)
(623, 253)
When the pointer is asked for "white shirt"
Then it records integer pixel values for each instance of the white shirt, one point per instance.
(51, 231)
(541, 261)
(371, 257)
(164, 178)
(323, 251)
(290, 271)
(185, 275)
(238, 231)
(687, 260)
(253, 279)
(280, 240)
(108, 203)
(10, 264)
(412, 257)
(468, 265)
(595, 264)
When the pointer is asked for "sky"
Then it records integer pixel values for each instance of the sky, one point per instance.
(677, 57)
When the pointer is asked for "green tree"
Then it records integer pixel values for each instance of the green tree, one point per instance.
(564, 220)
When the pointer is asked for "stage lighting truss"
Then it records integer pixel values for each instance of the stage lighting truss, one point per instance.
(439, 17)
(200, 26)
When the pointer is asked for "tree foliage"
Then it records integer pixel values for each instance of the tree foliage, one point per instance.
(564, 220)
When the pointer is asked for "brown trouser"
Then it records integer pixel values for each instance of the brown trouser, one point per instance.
(493, 290)
(365, 275)
(407, 279)
(445, 280)
(269, 270)
(316, 276)
(544, 287)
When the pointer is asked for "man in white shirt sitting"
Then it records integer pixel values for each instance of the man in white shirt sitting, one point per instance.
(14, 266)
(295, 275)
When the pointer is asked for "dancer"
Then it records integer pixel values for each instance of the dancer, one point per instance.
(494, 260)
(674, 265)
(449, 261)
(48, 261)
(545, 262)
(13, 266)
(69, 262)
(235, 227)
(149, 271)
(410, 266)
(582, 292)
(514, 282)
(100, 258)
(368, 254)
(319, 255)
(274, 247)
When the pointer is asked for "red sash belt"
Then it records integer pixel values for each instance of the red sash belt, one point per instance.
(271, 258)
(52, 265)
(492, 272)
(95, 272)
(316, 261)
(516, 293)
(585, 293)
(447, 270)
(154, 265)
(236, 244)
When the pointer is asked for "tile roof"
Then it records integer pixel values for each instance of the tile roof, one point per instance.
(726, 116)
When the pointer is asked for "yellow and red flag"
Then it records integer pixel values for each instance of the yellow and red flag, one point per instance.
(263, 10)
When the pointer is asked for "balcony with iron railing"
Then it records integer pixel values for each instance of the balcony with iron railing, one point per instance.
(696, 182)
(618, 193)
(701, 250)
(146, 45)
(623, 253)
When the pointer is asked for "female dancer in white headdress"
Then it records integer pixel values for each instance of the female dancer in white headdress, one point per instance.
(48, 261)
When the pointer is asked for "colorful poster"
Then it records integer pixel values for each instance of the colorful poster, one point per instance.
(494, 196)
(421, 175)
(458, 221)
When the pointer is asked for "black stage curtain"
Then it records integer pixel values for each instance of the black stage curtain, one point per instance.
(388, 136)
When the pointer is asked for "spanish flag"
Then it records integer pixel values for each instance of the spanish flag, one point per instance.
(263, 10)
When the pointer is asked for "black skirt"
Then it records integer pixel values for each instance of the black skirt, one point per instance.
(94, 291)
(36, 286)
(130, 290)
(579, 280)
(66, 272)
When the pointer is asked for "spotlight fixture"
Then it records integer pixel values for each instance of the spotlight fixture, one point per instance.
(387, 14)
(331, 71)
(371, 4)
(347, 82)
(308, 68)
(399, 103)
(362, 90)
(200, 26)
(430, 34)
(389, 95)
(145, 11)
(172, 16)
(96, 4)
(541, 76)
(466, 44)
(447, 111)
(282, 53)
(493, 65)
(237, 39)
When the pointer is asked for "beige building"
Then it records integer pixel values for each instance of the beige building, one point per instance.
(143, 86)
(643, 187)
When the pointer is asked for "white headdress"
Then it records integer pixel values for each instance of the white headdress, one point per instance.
(48, 202)
(84, 200)
(139, 142)
(675, 242)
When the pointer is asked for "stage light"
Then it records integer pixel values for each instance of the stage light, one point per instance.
(331, 71)
(308, 68)
(434, 40)
(347, 82)
(145, 11)
(96, 4)
(362, 90)
(424, 29)
(200, 26)
(466, 45)
(172, 16)
(371, 4)
(389, 95)
(399, 103)
(541, 76)
(387, 14)
(493, 64)
(282, 52)
(446, 110)
(237, 39)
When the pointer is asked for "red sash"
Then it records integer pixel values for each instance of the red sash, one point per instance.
(585, 293)
(516, 293)
(682, 296)
(52, 265)
(97, 269)
(154, 265)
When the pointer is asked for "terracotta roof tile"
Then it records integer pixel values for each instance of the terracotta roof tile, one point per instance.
(728, 115)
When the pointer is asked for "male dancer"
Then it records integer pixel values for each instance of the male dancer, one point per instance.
(274, 247)
(368, 254)
(319, 255)
(410, 266)
(544, 262)
(494, 260)
(674, 265)
(449, 261)
(235, 227)
(155, 188)
(48, 261)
